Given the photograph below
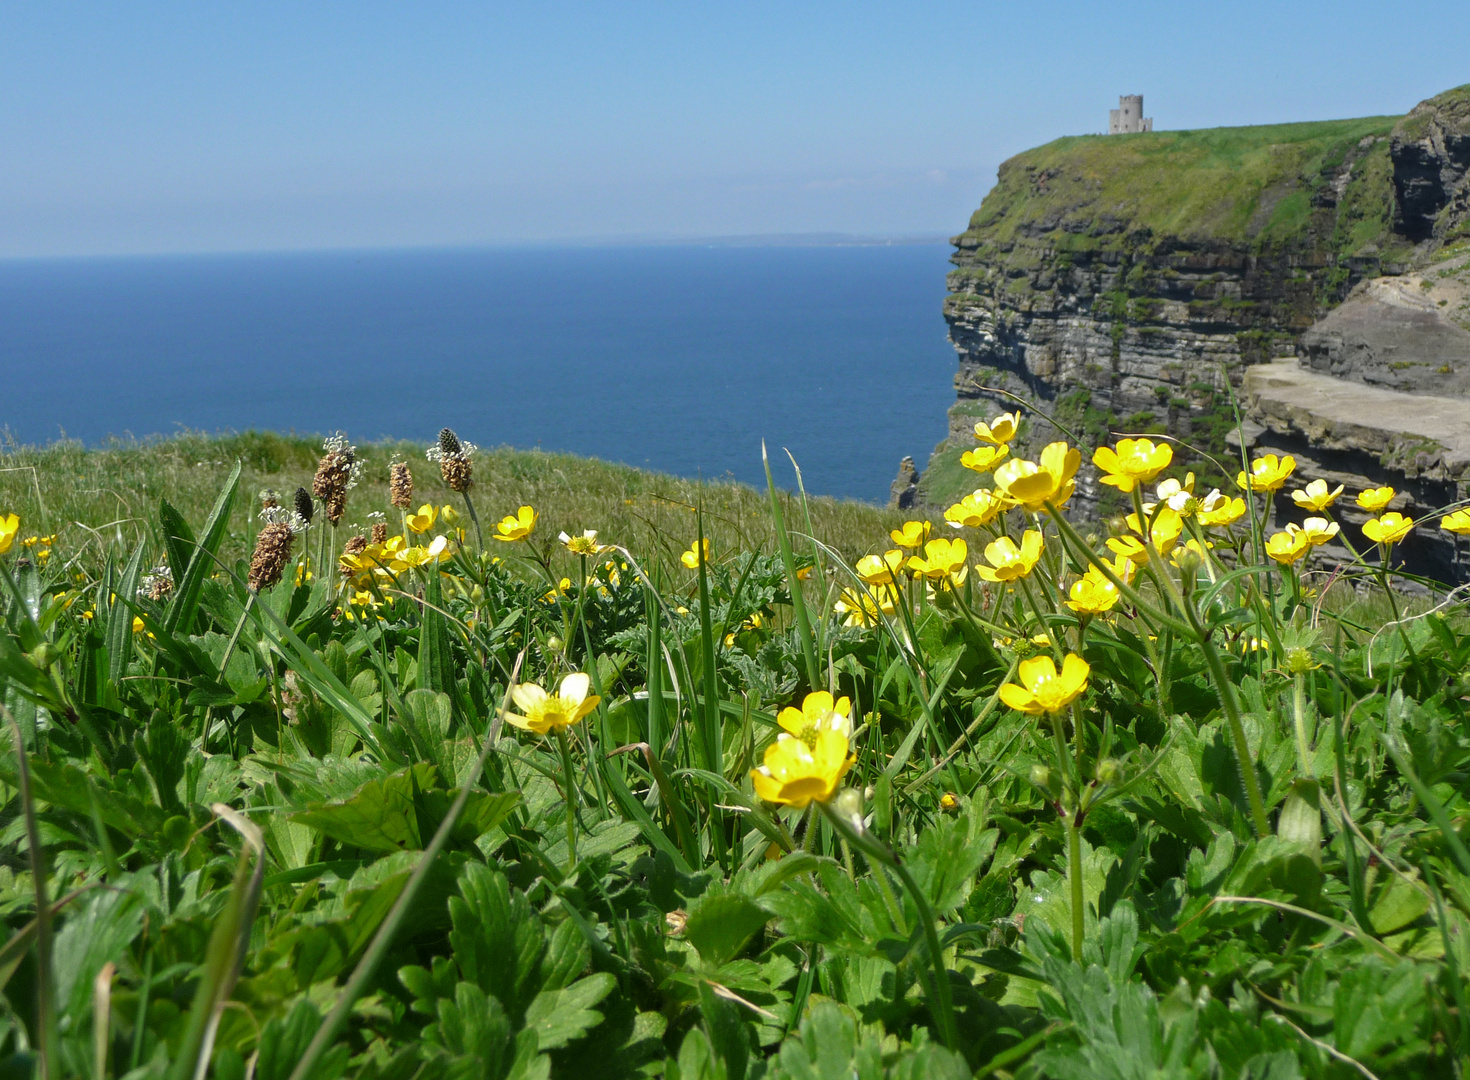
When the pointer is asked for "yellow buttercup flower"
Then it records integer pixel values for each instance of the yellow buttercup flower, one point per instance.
(586, 544)
(984, 458)
(562, 588)
(1092, 593)
(999, 431)
(941, 559)
(947, 801)
(9, 525)
(1375, 499)
(1458, 522)
(437, 552)
(1043, 689)
(1009, 562)
(1132, 462)
(1316, 496)
(1164, 534)
(424, 520)
(818, 712)
(863, 608)
(1318, 530)
(448, 515)
(1035, 483)
(977, 509)
(1218, 511)
(798, 772)
(1388, 529)
(691, 557)
(516, 526)
(1287, 547)
(542, 713)
(912, 535)
(1268, 473)
(881, 569)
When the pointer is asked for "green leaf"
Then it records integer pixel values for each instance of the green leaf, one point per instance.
(120, 621)
(721, 924)
(282, 1043)
(435, 672)
(559, 1017)
(185, 602)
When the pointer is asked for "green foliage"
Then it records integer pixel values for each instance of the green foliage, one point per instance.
(990, 894)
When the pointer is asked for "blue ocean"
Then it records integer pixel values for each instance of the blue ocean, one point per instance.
(676, 358)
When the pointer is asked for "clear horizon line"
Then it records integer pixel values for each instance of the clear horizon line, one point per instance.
(781, 239)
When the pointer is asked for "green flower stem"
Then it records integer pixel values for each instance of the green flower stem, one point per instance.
(878, 852)
(1299, 720)
(474, 517)
(1046, 627)
(1226, 690)
(566, 764)
(1074, 875)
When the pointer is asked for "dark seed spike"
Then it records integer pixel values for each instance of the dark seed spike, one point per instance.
(304, 505)
(449, 443)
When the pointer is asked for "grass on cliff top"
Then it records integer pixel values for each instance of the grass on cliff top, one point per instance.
(106, 499)
(1239, 184)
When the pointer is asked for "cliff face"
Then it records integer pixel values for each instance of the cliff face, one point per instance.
(1118, 282)
(1124, 284)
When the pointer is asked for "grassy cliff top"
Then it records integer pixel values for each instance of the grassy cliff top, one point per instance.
(102, 500)
(1251, 185)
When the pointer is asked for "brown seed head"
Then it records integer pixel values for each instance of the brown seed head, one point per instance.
(330, 482)
(457, 472)
(400, 486)
(159, 587)
(272, 552)
(356, 545)
(380, 533)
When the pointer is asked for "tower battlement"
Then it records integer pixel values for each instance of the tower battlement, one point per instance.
(1128, 118)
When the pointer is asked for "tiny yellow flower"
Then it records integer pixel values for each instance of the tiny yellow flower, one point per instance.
(1267, 473)
(562, 588)
(863, 608)
(999, 431)
(303, 575)
(1219, 511)
(881, 569)
(976, 510)
(138, 624)
(423, 521)
(9, 524)
(1043, 689)
(691, 557)
(516, 526)
(1316, 496)
(941, 559)
(798, 772)
(818, 712)
(1375, 499)
(912, 535)
(1287, 547)
(1009, 562)
(1318, 530)
(586, 544)
(1132, 462)
(1388, 529)
(947, 801)
(541, 713)
(1093, 593)
(1035, 483)
(984, 458)
(1458, 522)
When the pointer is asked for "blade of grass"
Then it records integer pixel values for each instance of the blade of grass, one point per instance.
(798, 601)
(48, 1044)
(120, 621)
(225, 955)
(179, 619)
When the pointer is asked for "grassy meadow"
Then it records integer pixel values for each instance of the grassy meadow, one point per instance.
(531, 766)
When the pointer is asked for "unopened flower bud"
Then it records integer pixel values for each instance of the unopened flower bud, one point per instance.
(555, 644)
(1046, 780)
(1109, 771)
(1299, 661)
(849, 806)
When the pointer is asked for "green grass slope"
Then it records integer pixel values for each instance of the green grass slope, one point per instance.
(1242, 185)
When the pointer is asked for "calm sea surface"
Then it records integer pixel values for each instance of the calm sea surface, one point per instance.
(675, 358)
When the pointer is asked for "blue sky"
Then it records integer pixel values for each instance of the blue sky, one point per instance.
(148, 127)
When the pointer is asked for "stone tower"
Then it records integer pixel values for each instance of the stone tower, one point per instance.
(1128, 118)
